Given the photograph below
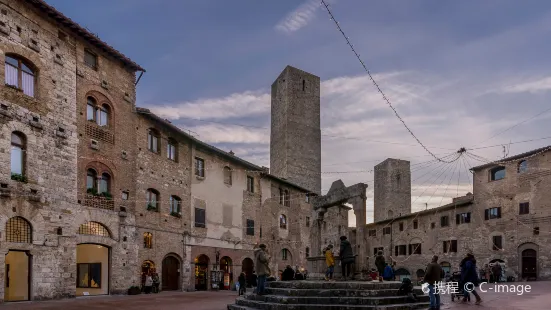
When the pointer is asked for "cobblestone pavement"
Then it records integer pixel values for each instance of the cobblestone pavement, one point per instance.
(539, 297)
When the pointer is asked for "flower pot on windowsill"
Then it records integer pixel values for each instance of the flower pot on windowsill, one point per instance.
(176, 214)
(151, 208)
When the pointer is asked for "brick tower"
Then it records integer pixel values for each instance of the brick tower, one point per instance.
(295, 142)
(392, 189)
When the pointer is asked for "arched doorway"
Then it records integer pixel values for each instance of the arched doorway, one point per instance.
(247, 266)
(201, 272)
(147, 266)
(227, 269)
(529, 264)
(171, 273)
(18, 276)
(402, 273)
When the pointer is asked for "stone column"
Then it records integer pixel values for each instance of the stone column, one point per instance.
(358, 204)
(315, 232)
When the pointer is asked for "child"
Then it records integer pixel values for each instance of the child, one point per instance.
(407, 289)
(330, 261)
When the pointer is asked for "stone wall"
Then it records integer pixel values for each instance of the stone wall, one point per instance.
(392, 191)
(295, 142)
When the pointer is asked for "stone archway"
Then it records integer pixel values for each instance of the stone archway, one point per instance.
(528, 261)
(18, 276)
(226, 266)
(247, 266)
(171, 273)
(201, 272)
(402, 273)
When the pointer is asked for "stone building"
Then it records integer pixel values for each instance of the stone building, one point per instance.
(505, 220)
(65, 91)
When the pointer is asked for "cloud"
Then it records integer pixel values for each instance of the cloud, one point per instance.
(299, 18)
(535, 86)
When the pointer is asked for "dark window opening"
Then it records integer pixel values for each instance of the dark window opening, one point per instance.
(524, 208)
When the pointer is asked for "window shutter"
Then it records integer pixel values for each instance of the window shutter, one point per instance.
(418, 248)
(499, 212)
(468, 218)
(457, 219)
(454, 245)
(396, 250)
(445, 246)
(487, 214)
(409, 249)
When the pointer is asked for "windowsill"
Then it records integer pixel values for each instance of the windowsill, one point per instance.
(20, 91)
(491, 181)
(156, 153)
(200, 227)
(199, 177)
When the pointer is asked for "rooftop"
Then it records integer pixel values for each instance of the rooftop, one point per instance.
(49, 10)
(227, 155)
(516, 157)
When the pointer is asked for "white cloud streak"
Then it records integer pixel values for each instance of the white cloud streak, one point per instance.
(299, 18)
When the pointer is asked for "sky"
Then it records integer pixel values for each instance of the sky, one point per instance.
(459, 73)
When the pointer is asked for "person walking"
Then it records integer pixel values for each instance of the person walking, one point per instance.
(242, 283)
(496, 271)
(434, 274)
(469, 277)
(380, 264)
(261, 265)
(346, 256)
(330, 261)
(388, 273)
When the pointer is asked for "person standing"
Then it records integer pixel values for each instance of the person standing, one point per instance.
(148, 283)
(261, 265)
(288, 274)
(469, 277)
(346, 256)
(433, 275)
(388, 274)
(330, 261)
(242, 284)
(380, 264)
(156, 281)
(496, 271)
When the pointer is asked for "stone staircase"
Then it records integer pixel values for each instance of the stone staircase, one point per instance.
(320, 295)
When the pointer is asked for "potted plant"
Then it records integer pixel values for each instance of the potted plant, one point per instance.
(134, 290)
(107, 195)
(175, 214)
(151, 207)
(19, 177)
(92, 191)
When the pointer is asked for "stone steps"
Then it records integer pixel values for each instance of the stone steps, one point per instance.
(243, 304)
(291, 300)
(335, 292)
(349, 285)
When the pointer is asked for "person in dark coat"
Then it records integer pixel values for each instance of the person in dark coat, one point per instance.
(346, 256)
(469, 275)
(380, 264)
(388, 274)
(242, 284)
(288, 274)
(433, 275)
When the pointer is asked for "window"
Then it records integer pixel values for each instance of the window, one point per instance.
(463, 218)
(284, 254)
(175, 203)
(497, 173)
(91, 180)
(199, 217)
(94, 229)
(104, 183)
(307, 198)
(260, 231)
(90, 59)
(98, 184)
(287, 201)
(250, 228)
(250, 184)
(307, 221)
(89, 275)
(497, 243)
(147, 240)
(524, 208)
(522, 166)
(400, 250)
(307, 252)
(227, 175)
(303, 85)
(432, 225)
(199, 167)
(492, 213)
(19, 74)
(444, 221)
(152, 198)
(18, 149)
(283, 221)
(18, 230)
(376, 250)
(153, 141)
(171, 150)
(450, 246)
(372, 232)
(536, 230)
(415, 248)
(96, 113)
(415, 224)
(401, 225)
(387, 230)
(125, 195)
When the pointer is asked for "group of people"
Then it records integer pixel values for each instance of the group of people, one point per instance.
(434, 273)
(290, 274)
(150, 281)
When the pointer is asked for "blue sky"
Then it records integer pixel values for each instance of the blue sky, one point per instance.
(457, 71)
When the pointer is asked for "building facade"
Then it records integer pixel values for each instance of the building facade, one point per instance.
(505, 220)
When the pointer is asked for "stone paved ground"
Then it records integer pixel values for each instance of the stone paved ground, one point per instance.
(538, 299)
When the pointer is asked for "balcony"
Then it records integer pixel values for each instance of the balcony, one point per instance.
(99, 202)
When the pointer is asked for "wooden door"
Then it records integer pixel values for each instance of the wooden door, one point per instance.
(171, 273)
(529, 264)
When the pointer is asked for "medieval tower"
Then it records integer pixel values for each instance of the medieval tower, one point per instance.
(295, 142)
(392, 189)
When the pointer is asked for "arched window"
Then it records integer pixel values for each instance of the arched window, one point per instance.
(96, 113)
(153, 141)
(18, 230)
(94, 228)
(105, 183)
(18, 149)
(284, 254)
(152, 197)
(287, 201)
(91, 181)
(98, 185)
(147, 240)
(497, 173)
(523, 166)
(283, 221)
(227, 175)
(175, 203)
(172, 150)
(19, 73)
